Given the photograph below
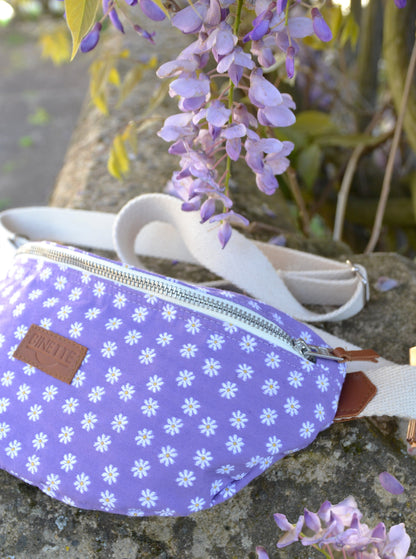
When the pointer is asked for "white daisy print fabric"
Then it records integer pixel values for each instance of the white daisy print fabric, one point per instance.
(173, 409)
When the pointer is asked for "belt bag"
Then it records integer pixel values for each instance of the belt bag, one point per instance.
(125, 391)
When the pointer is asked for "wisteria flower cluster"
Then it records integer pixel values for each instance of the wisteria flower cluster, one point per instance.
(337, 532)
(211, 132)
(229, 108)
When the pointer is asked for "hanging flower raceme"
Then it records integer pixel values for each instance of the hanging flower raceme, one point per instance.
(221, 129)
(213, 128)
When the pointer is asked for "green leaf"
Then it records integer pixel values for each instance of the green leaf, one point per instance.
(100, 101)
(317, 227)
(158, 97)
(100, 71)
(351, 140)
(114, 76)
(308, 164)
(350, 32)
(26, 141)
(39, 117)
(80, 17)
(132, 78)
(298, 137)
(56, 45)
(148, 122)
(118, 161)
(130, 135)
(314, 123)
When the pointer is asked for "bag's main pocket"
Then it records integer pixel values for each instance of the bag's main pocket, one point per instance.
(185, 393)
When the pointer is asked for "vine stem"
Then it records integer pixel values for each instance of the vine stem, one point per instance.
(296, 193)
(385, 189)
(236, 27)
(327, 555)
(345, 189)
(349, 175)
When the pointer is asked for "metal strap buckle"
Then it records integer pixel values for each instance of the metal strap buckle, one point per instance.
(362, 277)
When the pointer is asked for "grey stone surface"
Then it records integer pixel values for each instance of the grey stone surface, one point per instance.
(344, 460)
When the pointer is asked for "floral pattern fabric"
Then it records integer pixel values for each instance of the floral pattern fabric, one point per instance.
(172, 410)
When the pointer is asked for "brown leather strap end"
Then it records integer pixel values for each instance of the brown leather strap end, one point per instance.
(356, 392)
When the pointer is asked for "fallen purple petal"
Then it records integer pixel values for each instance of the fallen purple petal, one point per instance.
(261, 553)
(385, 284)
(390, 483)
(278, 240)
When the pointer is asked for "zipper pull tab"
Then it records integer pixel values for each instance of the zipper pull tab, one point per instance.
(312, 352)
(356, 355)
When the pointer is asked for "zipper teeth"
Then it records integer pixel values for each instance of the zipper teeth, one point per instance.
(141, 281)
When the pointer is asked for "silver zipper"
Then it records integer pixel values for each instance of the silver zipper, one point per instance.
(187, 296)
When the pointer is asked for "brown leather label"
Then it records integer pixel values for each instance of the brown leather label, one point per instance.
(51, 353)
(356, 392)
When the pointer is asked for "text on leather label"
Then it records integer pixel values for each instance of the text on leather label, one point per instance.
(51, 353)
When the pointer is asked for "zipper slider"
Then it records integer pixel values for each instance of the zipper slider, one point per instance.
(312, 352)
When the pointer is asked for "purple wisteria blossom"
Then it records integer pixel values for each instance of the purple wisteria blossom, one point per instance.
(390, 483)
(152, 10)
(212, 78)
(90, 40)
(108, 9)
(320, 26)
(214, 130)
(337, 531)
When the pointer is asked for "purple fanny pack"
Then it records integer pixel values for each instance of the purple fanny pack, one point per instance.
(132, 393)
